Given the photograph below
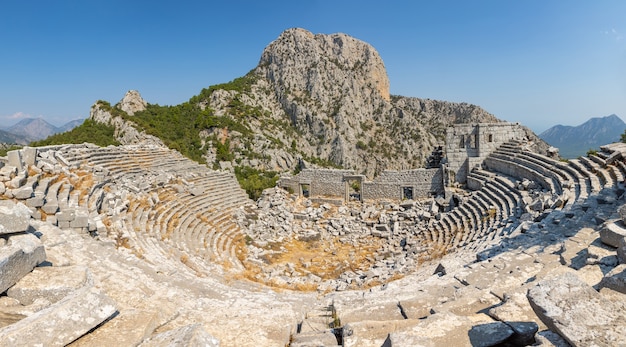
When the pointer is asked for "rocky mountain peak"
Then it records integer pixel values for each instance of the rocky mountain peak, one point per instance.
(132, 102)
(323, 66)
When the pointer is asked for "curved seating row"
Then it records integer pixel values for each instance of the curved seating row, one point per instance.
(186, 217)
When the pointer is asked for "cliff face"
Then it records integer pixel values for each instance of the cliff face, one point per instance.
(334, 90)
(324, 98)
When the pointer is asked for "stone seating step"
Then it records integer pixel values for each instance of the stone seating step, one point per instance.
(511, 168)
(594, 182)
(595, 168)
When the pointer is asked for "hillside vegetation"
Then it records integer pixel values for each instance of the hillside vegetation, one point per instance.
(90, 131)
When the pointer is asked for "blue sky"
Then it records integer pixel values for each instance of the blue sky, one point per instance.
(538, 62)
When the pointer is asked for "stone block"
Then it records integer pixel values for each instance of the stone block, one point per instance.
(615, 279)
(16, 182)
(50, 207)
(23, 193)
(15, 159)
(66, 215)
(318, 338)
(62, 322)
(63, 225)
(29, 154)
(18, 257)
(8, 171)
(577, 312)
(50, 283)
(81, 219)
(190, 335)
(36, 201)
(129, 328)
(52, 220)
(612, 231)
(14, 217)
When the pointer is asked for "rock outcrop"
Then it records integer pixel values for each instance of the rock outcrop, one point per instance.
(125, 131)
(132, 102)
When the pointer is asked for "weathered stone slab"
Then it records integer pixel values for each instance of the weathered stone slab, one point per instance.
(401, 339)
(358, 310)
(36, 201)
(20, 255)
(23, 193)
(321, 338)
(615, 279)
(61, 323)
(14, 218)
(50, 207)
(612, 231)
(129, 328)
(29, 154)
(190, 335)
(50, 283)
(443, 329)
(15, 159)
(66, 215)
(8, 171)
(81, 218)
(577, 312)
(514, 308)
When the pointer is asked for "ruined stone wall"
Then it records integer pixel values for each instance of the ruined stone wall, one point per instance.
(321, 182)
(467, 145)
(391, 184)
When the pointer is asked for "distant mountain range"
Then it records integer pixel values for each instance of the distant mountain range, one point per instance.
(574, 141)
(33, 129)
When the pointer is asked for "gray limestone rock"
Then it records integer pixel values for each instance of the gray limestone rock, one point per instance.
(319, 338)
(50, 283)
(14, 217)
(188, 336)
(23, 193)
(615, 279)
(61, 323)
(612, 231)
(577, 312)
(129, 328)
(132, 102)
(20, 255)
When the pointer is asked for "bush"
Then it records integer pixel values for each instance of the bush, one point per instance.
(254, 181)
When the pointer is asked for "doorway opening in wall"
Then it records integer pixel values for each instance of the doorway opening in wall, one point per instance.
(305, 189)
(407, 193)
(354, 189)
